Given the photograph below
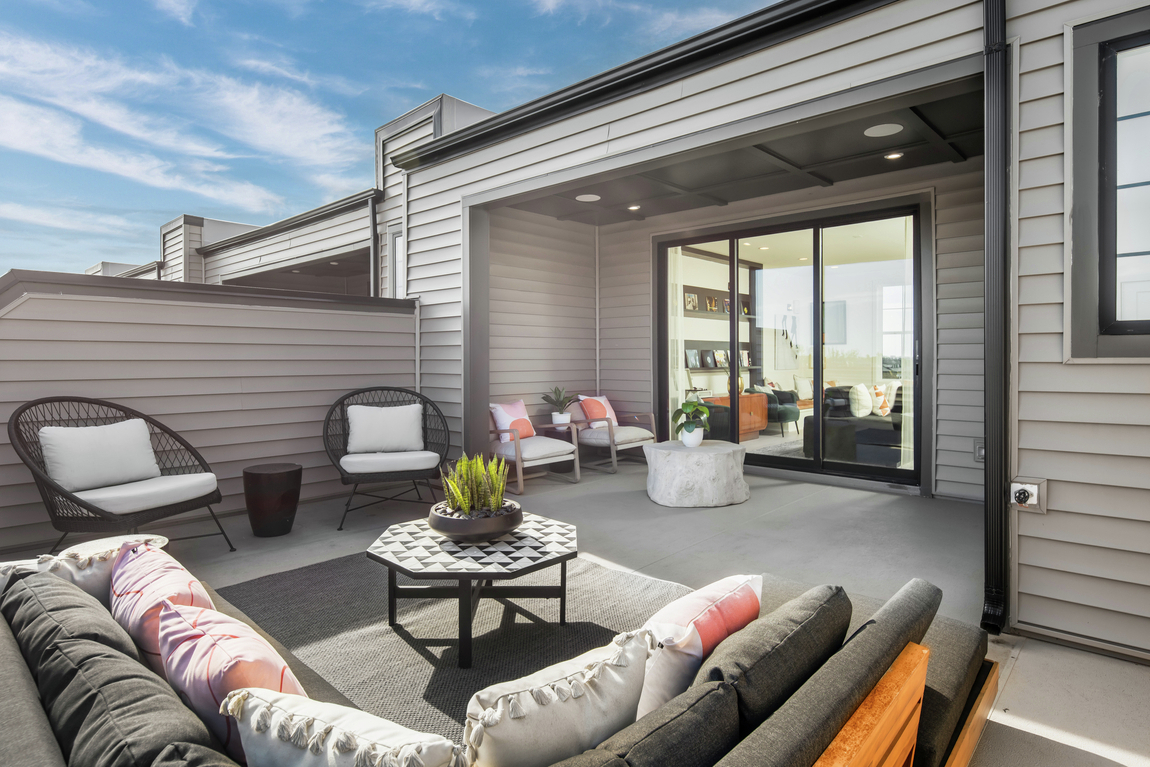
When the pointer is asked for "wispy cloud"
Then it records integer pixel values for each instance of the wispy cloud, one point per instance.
(516, 79)
(653, 21)
(683, 24)
(67, 219)
(283, 67)
(180, 10)
(54, 135)
(437, 9)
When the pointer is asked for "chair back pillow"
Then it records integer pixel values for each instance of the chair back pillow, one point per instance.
(394, 429)
(207, 654)
(595, 408)
(804, 387)
(86, 457)
(512, 415)
(861, 400)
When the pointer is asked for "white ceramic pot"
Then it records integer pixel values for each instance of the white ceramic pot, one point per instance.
(558, 418)
(691, 438)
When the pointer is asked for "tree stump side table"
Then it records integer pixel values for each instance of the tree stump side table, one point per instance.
(271, 492)
(708, 475)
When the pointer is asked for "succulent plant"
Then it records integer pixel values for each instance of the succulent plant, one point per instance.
(472, 485)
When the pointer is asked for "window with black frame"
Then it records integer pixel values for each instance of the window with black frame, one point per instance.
(1124, 186)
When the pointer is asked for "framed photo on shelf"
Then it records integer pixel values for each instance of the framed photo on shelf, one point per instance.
(727, 305)
(712, 304)
(721, 358)
(691, 302)
(693, 358)
(745, 358)
(708, 358)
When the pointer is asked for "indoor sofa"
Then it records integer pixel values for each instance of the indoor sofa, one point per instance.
(873, 439)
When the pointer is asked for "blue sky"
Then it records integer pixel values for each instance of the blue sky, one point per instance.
(116, 117)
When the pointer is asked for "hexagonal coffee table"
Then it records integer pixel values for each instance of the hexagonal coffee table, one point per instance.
(417, 551)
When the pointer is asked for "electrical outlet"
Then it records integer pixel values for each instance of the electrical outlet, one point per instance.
(1028, 494)
(980, 451)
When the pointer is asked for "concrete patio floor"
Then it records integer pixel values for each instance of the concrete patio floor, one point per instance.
(1056, 706)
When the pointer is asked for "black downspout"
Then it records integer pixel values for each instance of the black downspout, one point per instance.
(373, 250)
(996, 279)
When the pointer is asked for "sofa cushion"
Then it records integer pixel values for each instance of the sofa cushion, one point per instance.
(27, 737)
(42, 609)
(107, 710)
(534, 448)
(623, 435)
(390, 429)
(383, 463)
(81, 457)
(191, 755)
(772, 657)
(150, 493)
(802, 728)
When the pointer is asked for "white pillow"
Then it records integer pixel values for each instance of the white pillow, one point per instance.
(282, 730)
(384, 429)
(561, 711)
(861, 400)
(804, 388)
(90, 569)
(85, 457)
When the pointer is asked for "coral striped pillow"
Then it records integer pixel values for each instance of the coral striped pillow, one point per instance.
(512, 415)
(880, 403)
(596, 408)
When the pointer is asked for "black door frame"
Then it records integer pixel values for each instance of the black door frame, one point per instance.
(816, 465)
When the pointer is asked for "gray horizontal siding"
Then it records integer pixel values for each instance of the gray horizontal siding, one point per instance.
(172, 256)
(244, 384)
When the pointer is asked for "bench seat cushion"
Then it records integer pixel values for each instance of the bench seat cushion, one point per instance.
(624, 435)
(150, 493)
(534, 448)
(386, 463)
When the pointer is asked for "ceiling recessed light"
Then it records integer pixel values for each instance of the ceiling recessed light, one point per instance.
(893, 155)
(334, 263)
(834, 267)
(885, 129)
(802, 258)
(763, 247)
(633, 207)
(588, 198)
(746, 244)
(295, 271)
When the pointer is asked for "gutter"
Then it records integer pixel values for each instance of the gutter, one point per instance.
(782, 21)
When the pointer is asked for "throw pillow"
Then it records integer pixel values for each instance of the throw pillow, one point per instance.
(207, 654)
(690, 628)
(143, 576)
(384, 429)
(560, 711)
(772, 657)
(282, 730)
(860, 400)
(878, 402)
(43, 609)
(109, 711)
(92, 572)
(512, 415)
(81, 457)
(597, 408)
(805, 388)
(696, 729)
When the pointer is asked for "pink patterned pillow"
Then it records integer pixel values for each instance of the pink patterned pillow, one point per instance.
(142, 578)
(208, 654)
(512, 415)
(595, 408)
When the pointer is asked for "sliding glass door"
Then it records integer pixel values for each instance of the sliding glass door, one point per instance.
(802, 340)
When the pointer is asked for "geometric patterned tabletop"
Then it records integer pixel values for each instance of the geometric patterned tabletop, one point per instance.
(418, 551)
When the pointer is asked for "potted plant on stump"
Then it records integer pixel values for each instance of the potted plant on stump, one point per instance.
(559, 400)
(690, 421)
(474, 509)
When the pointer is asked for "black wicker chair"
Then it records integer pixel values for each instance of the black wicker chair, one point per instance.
(436, 439)
(70, 514)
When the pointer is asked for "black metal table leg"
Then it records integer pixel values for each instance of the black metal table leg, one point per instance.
(465, 614)
(392, 595)
(563, 594)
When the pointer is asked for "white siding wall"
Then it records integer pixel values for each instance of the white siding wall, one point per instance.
(627, 280)
(878, 45)
(244, 384)
(542, 308)
(1083, 569)
(172, 254)
(193, 261)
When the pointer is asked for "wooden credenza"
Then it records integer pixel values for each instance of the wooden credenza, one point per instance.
(752, 413)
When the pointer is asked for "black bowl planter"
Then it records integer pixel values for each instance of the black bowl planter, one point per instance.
(475, 528)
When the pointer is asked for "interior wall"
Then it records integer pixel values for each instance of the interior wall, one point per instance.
(542, 307)
(627, 314)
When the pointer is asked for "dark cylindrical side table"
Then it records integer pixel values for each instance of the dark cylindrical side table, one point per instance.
(271, 491)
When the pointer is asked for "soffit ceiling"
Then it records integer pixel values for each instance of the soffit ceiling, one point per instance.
(943, 124)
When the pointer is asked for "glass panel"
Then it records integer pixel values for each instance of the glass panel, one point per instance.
(699, 330)
(776, 286)
(1133, 288)
(1133, 165)
(1133, 234)
(1134, 81)
(868, 269)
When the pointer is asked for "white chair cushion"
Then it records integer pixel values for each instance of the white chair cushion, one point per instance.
(534, 448)
(84, 457)
(623, 435)
(150, 493)
(391, 429)
(380, 463)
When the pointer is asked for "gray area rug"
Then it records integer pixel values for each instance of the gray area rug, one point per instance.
(333, 617)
